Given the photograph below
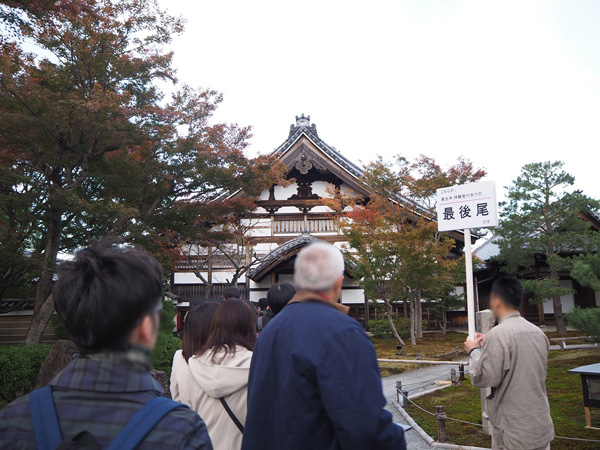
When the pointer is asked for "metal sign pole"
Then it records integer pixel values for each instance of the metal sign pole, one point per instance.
(470, 293)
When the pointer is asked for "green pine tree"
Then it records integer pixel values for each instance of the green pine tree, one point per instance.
(542, 221)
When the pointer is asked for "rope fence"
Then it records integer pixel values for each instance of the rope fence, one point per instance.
(442, 416)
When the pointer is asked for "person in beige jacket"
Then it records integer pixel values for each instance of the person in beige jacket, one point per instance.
(196, 327)
(218, 377)
(512, 360)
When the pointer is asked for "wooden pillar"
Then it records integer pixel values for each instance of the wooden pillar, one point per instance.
(588, 417)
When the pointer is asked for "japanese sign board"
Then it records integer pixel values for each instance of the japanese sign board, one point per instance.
(467, 206)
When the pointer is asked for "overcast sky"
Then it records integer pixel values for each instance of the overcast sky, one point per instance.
(503, 83)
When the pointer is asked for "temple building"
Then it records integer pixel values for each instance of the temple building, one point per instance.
(288, 218)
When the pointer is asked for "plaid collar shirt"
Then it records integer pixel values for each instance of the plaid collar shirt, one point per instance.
(100, 394)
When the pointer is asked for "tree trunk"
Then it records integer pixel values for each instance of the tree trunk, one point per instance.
(367, 311)
(444, 322)
(39, 322)
(419, 314)
(392, 324)
(413, 339)
(44, 304)
(207, 291)
(559, 318)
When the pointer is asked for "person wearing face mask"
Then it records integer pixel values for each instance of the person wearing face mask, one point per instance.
(512, 360)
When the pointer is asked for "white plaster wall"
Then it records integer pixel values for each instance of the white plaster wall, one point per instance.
(353, 296)
(320, 188)
(222, 277)
(285, 192)
(264, 195)
(257, 295)
(264, 247)
(191, 278)
(287, 210)
(187, 278)
(260, 231)
(320, 209)
(286, 278)
(568, 301)
(255, 222)
(265, 283)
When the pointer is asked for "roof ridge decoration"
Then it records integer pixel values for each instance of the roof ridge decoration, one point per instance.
(304, 126)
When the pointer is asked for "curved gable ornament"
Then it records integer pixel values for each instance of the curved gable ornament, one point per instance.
(303, 165)
(307, 160)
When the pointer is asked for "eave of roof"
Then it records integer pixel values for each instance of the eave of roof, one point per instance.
(276, 256)
(310, 132)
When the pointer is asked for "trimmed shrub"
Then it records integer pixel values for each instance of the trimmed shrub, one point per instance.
(381, 327)
(586, 320)
(19, 367)
(162, 356)
(166, 343)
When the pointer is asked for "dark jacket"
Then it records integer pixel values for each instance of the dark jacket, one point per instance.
(324, 385)
(264, 319)
(100, 395)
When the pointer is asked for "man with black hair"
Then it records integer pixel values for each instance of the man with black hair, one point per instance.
(512, 360)
(263, 304)
(232, 292)
(235, 293)
(278, 296)
(109, 301)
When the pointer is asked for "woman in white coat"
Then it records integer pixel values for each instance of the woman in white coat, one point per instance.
(221, 373)
(196, 327)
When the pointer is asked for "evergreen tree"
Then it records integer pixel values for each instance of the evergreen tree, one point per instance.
(542, 221)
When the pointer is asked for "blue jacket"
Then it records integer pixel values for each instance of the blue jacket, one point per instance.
(323, 389)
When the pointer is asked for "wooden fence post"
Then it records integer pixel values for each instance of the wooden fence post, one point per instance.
(461, 372)
(440, 415)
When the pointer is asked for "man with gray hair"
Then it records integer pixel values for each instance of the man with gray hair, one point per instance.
(320, 370)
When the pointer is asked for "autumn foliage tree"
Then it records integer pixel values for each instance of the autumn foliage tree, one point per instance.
(91, 146)
(394, 243)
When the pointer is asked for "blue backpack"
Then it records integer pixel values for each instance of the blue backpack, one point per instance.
(48, 435)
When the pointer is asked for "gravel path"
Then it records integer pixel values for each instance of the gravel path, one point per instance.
(414, 381)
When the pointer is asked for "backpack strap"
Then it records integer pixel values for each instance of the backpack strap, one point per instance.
(45, 421)
(232, 416)
(143, 422)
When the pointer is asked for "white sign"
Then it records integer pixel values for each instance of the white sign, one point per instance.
(467, 206)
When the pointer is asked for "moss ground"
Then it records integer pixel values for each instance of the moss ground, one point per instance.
(564, 393)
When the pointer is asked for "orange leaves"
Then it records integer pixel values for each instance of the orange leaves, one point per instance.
(394, 236)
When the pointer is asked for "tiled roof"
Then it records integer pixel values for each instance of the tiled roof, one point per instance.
(10, 304)
(303, 126)
(281, 252)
